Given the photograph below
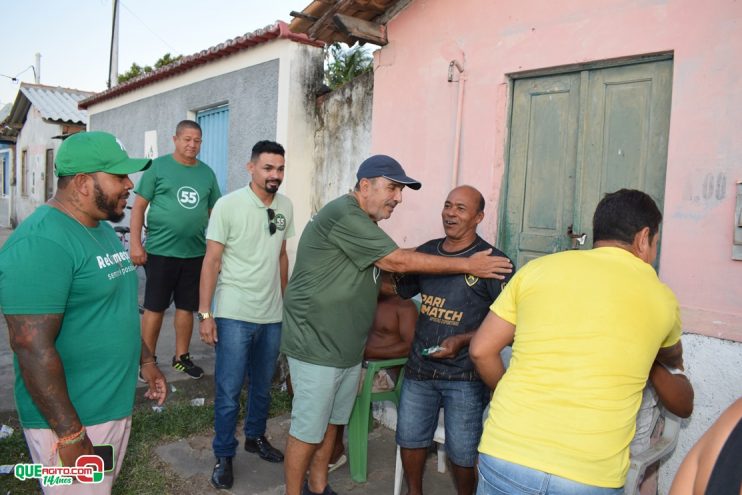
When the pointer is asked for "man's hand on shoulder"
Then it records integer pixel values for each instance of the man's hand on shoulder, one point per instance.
(485, 266)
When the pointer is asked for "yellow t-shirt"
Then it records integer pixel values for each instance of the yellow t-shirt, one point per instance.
(588, 325)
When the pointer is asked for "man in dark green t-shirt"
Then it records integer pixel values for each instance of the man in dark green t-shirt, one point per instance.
(180, 191)
(329, 307)
(69, 294)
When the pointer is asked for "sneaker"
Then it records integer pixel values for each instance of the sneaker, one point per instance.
(342, 460)
(140, 377)
(185, 365)
(327, 491)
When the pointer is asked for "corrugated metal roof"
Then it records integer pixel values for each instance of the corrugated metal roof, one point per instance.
(5, 110)
(56, 103)
(278, 30)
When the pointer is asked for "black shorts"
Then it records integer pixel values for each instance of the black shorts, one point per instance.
(172, 279)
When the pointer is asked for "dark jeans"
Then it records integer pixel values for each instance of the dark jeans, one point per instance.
(243, 349)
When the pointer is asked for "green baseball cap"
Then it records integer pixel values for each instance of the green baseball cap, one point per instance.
(96, 151)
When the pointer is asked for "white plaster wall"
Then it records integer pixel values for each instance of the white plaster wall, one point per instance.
(714, 366)
(299, 80)
(36, 138)
(271, 50)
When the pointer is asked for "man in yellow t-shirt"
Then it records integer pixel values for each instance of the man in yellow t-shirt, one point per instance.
(585, 327)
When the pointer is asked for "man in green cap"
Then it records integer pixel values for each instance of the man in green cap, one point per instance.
(69, 294)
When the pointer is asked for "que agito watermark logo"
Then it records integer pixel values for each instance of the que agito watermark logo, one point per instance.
(87, 469)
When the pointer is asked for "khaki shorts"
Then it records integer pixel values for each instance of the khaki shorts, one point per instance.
(42, 442)
(322, 395)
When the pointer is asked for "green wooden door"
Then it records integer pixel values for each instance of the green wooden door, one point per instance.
(575, 137)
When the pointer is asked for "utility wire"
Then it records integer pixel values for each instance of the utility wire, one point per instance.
(172, 48)
(15, 78)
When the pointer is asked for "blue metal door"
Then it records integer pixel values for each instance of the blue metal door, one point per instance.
(214, 124)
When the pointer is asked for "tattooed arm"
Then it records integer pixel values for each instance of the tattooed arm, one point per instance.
(32, 339)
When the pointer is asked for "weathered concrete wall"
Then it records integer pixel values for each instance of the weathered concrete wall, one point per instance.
(251, 94)
(296, 129)
(35, 138)
(6, 173)
(713, 367)
(342, 139)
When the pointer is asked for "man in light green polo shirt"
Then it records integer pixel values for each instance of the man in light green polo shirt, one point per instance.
(246, 240)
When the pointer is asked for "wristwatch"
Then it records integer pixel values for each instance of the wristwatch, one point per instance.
(204, 316)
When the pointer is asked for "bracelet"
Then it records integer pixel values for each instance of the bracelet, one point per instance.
(72, 439)
(148, 362)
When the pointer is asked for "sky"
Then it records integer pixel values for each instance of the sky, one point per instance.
(74, 36)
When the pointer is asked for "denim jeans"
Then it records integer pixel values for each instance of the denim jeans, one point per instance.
(244, 350)
(498, 477)
(463, 403)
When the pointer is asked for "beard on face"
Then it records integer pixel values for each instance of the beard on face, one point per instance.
(105, 205)
(272, 187)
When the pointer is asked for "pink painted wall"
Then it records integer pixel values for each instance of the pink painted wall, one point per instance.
(415, 112)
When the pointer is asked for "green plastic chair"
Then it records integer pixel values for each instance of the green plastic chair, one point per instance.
(361, 420)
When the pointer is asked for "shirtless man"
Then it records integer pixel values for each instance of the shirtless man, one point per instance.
(393, 328)
(390, 337)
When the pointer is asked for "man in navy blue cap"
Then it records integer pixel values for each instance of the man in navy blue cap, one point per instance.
(329, 306)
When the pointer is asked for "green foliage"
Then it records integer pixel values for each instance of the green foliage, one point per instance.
(166, 59)
(343, 64)
(134, 71)
(137, 70)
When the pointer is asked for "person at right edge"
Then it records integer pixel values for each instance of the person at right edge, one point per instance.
(712, 466)
(586, 329)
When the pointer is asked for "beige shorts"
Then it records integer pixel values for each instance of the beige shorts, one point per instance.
(42, 441)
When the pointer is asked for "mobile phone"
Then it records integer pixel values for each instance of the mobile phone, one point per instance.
(432, 350)
(105, 452)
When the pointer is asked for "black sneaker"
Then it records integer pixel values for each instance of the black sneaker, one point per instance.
(327, 491)
(185, 365)
(140, 377)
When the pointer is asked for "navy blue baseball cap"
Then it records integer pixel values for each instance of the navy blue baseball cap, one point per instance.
(387, 167)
